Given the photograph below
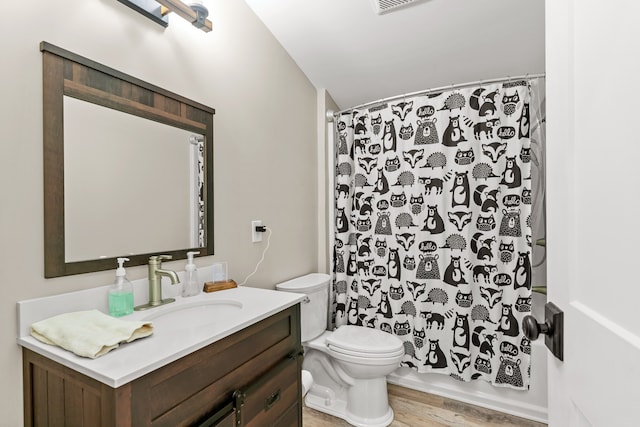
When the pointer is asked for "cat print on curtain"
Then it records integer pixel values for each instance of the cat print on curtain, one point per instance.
(433, 233)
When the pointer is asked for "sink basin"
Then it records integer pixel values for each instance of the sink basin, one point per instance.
(193, 316)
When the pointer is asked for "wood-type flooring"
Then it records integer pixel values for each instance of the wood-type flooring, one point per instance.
(417, 409)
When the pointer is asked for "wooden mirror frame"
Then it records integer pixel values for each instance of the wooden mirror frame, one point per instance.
(65, 73)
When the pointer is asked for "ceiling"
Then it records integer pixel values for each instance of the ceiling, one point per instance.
(359, 56)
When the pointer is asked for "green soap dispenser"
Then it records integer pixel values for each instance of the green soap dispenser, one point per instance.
(121, 293)
(191, 286)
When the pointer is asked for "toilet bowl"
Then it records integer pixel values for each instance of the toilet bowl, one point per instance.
(349, 365)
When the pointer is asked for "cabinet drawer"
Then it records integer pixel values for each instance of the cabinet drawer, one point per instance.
(179, 392)
(263, 402)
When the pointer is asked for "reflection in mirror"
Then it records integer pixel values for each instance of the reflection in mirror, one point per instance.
(132, 185)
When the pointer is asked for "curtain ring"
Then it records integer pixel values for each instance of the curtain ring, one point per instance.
(506, 82)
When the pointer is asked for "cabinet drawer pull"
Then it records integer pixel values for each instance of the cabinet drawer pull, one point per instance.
(271, 400)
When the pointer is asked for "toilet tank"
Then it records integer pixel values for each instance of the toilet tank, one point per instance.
(314, 313)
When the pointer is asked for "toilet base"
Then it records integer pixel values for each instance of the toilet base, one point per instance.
(349, 387)
(325, 400)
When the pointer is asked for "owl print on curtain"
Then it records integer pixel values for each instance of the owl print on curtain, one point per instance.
(433, 233)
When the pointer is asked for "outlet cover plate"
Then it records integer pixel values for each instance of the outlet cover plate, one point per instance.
(256, 236)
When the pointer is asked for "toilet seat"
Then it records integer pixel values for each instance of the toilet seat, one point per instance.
(360, 341)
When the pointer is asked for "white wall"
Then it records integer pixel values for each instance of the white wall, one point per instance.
(325, 103)
(265, 141)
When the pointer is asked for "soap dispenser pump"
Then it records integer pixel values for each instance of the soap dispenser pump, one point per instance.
(121, 293)
(191, 285)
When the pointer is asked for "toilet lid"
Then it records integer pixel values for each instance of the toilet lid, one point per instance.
(360, 339)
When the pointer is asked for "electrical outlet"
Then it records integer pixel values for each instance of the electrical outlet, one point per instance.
(256, 236)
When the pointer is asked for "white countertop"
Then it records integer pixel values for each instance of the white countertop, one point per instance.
(165, 345)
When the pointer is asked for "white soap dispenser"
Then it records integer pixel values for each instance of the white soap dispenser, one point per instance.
(191, 285)
(121, 293)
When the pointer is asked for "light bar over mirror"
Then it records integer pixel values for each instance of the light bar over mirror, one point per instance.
(157, 10)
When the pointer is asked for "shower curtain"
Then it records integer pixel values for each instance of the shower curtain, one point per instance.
(433, 233)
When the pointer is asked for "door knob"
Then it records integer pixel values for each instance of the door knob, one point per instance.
(552, 329)
(532, 329)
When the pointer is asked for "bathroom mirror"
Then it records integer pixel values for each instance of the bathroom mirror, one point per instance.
(128, 168)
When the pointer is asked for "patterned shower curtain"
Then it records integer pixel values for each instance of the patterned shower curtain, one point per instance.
(433, 233)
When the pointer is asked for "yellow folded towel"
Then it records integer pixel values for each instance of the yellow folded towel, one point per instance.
(89, 333)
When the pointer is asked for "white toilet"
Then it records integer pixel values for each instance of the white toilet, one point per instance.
(349, 365)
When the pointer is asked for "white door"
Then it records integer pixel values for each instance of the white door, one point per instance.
(593, 207)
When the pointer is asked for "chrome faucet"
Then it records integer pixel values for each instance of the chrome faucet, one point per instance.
(155, 282)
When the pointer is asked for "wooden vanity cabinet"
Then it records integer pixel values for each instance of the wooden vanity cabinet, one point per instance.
(250, 378)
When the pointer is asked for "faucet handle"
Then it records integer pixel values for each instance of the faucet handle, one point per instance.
(157, 259)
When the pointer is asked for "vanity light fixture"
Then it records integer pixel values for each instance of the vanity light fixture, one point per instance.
(157, 10)
(195, 12)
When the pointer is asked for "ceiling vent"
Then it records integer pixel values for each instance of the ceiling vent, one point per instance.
(383, 6)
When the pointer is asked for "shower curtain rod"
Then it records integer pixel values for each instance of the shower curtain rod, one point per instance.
(440, 89)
